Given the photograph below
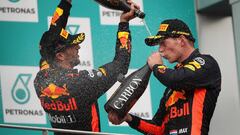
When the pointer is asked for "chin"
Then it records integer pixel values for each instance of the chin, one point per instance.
(76, 62)
(171, 61)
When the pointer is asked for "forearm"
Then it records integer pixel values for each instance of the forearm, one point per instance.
(60, 17)
(145, 126)
(121, 61)
(123, 47)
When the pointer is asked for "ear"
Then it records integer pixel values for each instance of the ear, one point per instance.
(182, 40)
(60, 56)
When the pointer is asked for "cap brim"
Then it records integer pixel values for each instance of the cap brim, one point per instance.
(153, 40)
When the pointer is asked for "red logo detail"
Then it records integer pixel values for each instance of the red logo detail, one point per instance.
(60, 105)
(124, 40)
(183, 111)
(176, 95)
(55, 18)
(54, 91)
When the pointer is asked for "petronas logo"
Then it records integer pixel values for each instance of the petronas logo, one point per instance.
(20, 92)
(73, 29)
(14, 1)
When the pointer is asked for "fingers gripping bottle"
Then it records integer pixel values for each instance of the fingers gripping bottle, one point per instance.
(130, 90)
(120, 5)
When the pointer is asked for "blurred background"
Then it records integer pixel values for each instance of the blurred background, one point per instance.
(214, 23)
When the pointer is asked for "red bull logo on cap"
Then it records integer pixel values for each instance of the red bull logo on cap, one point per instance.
(54, 91)
(163, 27)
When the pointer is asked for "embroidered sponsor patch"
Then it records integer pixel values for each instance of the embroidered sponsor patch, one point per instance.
(173, 132)
(64, 33)
(79, 39)
(191, 67)
(195, 64)
(200, 60)
(53, 91)
(123, 37)
(103, 71)
(163, 27)
(44, 65)
(56, 15)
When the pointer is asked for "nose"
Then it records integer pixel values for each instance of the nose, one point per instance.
(161, 50)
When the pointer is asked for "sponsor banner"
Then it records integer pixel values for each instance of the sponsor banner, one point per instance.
(138, 109)
(19, 99)
(19, 10)
(111, 17)
(77, 25)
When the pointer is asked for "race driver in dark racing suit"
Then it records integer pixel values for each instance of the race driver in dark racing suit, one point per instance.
(189, 100)
(68, 96)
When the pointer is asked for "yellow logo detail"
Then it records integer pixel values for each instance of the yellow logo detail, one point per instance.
(44, 65)
(163, 27)
(123, 37)
(56, 15)
(191, 67)
(64, 33)
(196, 64)
(79, 39)
(180, 33)
(162, 69)
(103, 71)
(54, 91)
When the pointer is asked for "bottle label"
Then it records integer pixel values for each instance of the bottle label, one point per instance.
(127, 92)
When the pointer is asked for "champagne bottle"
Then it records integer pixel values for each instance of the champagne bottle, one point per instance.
(120, 5)
(130, 90)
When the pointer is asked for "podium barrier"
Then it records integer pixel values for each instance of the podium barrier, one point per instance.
(46, 130)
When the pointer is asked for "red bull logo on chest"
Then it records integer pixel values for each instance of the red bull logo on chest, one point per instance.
(54, 91)
(176, 95)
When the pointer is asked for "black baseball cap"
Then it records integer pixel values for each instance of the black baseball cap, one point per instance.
(53, 41)
(170, 28)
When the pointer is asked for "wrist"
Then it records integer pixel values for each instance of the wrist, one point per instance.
(128, 118)
(124, 20)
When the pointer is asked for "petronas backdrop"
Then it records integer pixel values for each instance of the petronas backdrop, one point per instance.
(23, 21)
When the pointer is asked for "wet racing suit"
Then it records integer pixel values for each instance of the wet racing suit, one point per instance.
(189, 100)
(68, 96)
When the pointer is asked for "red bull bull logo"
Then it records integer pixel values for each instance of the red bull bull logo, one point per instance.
(56, 15)
(54, 91)
(177, 111)
(176, 95)
(123, 37)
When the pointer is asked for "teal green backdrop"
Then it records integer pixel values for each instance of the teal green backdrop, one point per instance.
(19, 44)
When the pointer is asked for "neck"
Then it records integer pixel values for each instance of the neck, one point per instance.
(64, 65)
(188, 51)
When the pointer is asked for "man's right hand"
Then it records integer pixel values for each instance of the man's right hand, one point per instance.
(127, 16)
(114, 119)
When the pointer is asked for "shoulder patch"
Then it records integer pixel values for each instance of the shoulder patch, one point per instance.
(200, 60)
(103, 71)
(191, 67)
